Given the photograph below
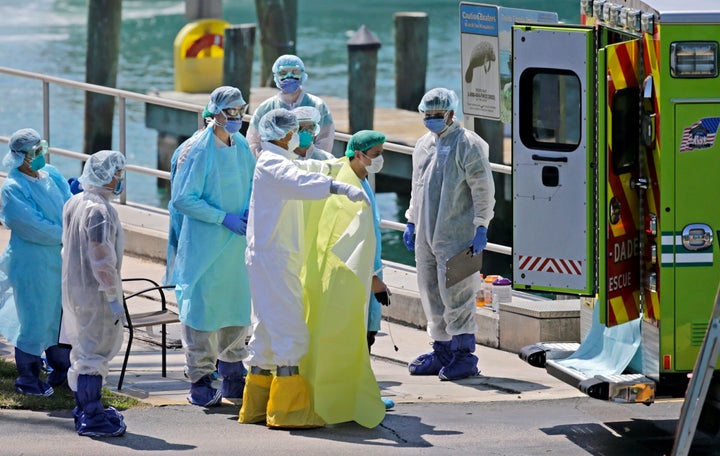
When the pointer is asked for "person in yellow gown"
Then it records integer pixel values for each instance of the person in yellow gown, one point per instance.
(338, 280)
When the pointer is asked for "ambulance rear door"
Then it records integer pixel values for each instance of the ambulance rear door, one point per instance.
(554, 165)
(621, 186)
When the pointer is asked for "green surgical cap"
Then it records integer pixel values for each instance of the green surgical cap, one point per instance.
(363, 140)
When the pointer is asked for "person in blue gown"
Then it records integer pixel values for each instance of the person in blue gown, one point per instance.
(33, 196)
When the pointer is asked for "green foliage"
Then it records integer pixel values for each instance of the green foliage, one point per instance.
(61, 399)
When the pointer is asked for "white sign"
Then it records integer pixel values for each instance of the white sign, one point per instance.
(486, 48)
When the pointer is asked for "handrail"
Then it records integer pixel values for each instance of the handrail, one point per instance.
(124, 95)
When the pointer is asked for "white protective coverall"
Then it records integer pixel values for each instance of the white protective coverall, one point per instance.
(323, 140)
(452, 194)
(275, 255)
(93, 244)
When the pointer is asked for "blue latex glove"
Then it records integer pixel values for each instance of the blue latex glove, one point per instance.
(409, 236)
(75, 186)
(480, 241)
(235, 223)
(117, 309)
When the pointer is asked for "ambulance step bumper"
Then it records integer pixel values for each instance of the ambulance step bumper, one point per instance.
(538, 354)
(625, 388)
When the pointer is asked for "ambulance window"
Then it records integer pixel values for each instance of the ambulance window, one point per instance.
(625, 139)
(550, 114)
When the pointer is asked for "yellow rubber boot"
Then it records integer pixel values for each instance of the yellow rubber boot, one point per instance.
(255, 398)
(289, 404)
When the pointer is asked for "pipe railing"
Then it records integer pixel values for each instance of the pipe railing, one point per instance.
(124, 95)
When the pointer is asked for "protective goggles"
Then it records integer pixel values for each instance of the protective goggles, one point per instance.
(309, 128)
(439, 115)
(289, 72)
(38, 149)
(235, 112)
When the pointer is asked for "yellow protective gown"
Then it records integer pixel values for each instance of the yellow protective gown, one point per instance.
(336, 279)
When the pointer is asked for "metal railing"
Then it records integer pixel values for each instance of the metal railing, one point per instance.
(123, 95)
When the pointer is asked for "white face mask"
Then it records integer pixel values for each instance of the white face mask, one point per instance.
(376, 164)
(294, 141)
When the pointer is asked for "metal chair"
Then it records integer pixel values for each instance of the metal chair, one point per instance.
(162, 317)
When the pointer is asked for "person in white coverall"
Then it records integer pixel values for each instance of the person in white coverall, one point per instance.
(289, 75)
(33, 196)
(211, 186)
(93, 314)
(451, 205)
(274, 259)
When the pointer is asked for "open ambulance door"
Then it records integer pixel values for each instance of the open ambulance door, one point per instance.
(554, 165)
(620, 188)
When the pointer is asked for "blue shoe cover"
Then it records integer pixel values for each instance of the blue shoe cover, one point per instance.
(431, 363)
(36, 388)
(461, 366)
(463, 363)
(107, 423)
(203, 394)
(389, 403)
(28, 382)
(233, 380)
(58, 361)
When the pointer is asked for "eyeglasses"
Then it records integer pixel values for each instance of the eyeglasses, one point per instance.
(440, 115)
(235, 112)
(307, 128)
(38, 149)
(289, 72)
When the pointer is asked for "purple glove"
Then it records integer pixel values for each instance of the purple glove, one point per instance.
(409, 236)
(480, 241)
(235, 223)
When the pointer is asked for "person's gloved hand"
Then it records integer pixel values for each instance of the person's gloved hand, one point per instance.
(117, 309)
(383, 297)
(409, 236)
(75, 186)
(353, 193)
(480, 241)
(235, 223)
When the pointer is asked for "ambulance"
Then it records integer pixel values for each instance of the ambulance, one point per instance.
(616, 187)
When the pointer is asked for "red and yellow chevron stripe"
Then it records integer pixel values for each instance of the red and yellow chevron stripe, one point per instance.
(623, 302)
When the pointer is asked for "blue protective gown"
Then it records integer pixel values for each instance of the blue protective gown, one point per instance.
(178, 157)
(31, 266)
(209, 273)
(374, 310)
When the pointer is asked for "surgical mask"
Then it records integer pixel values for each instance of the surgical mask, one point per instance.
(435, 125)
(290, 85)
(38, 163)
(306, 138)
(233, 126)
(119, 187)
(376, 164)
(294, 141)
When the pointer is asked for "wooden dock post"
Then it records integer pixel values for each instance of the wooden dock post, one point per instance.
(203, 9)
(238, 57)
(411, 57)
(101, 64)
(362, 69)
(278, 34)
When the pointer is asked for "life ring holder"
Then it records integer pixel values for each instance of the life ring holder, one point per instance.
(204, 42)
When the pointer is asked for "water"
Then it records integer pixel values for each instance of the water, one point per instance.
(49, 36)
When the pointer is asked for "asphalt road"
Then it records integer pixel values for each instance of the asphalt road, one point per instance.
(573, 426)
